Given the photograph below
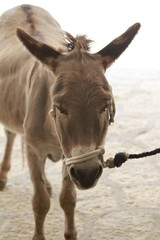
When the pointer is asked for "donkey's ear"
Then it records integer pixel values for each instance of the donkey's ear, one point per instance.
(43, 52)
(115, 48)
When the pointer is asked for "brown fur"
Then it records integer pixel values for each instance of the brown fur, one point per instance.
(61, 75)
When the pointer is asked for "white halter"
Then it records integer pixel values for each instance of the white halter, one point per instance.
(84, 157)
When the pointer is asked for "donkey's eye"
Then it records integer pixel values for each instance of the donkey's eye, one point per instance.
(62, 110)
(104, 109)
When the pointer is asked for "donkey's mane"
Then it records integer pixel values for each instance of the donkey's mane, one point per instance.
(80, 42)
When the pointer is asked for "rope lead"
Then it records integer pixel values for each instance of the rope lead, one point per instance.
(122, 157)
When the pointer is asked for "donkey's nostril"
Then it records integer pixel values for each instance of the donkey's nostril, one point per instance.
(99, 172)
(73, 172)
(77, 174)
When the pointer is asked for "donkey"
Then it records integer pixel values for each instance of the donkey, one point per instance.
(54, 93)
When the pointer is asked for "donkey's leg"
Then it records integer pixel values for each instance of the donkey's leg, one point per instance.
(68, 203)
(41, 199)
(6, 162)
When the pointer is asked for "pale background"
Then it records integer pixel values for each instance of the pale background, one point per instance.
(103, 20)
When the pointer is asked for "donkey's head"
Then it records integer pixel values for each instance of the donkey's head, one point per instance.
(82, 100)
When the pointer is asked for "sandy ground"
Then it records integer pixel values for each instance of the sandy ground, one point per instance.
(125, 204)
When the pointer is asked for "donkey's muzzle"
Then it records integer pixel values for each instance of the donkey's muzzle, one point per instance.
(86, 174)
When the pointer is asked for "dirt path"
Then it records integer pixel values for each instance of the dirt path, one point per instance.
(125, 204)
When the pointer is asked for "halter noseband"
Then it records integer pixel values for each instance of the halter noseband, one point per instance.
(84, 157)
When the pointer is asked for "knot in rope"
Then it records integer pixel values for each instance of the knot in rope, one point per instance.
(122, 157)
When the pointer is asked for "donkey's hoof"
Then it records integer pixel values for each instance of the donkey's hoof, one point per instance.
(2, 184)
(38, 237)
(72, 236)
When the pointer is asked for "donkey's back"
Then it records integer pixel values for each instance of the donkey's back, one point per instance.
(17, 66)
(34, 20)
(16, 63)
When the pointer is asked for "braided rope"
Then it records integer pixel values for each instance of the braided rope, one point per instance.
(122, 157)
(84, 157)
(145, 154)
